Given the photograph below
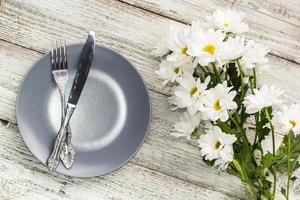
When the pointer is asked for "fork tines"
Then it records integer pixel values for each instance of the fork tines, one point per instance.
(59, 56)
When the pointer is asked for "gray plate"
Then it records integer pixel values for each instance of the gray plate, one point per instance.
(109, 124)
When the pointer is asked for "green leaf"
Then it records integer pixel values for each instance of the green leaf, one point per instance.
(283, 149)
(267, 160)
(283, 191)
(262, 130)
(231, 170)
(224, 126)
(208, 162)
(196, 133)
(234, 78)
(244, 155)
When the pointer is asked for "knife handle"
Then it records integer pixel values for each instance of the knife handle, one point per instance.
(53, 160)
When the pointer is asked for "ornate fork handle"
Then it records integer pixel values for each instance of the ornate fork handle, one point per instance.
(53, 160)
(67, 154)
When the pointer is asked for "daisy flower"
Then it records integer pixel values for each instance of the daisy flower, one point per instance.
(205, 45)
(174, 43)
(227, 20)
(186, 125)
(189, 93)
(254, 57)
(232, 49)
(217, 145)
(288, 118)
(264, 97)
(170, 71)
(218, 101)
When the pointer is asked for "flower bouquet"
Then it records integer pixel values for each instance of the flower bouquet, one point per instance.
(214, 74)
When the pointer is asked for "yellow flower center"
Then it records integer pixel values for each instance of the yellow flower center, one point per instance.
(183, 50)
(176, 70)
(293, 122)
(226, 24)
(193, 91)
(217, 105)
(209, 48)
(217, 145)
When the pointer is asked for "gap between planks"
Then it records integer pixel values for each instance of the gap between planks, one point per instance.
(13, 127)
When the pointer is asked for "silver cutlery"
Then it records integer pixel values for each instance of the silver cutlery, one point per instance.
(83, 68)
(60, 75)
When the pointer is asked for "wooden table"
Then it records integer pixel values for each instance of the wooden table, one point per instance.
(165, 167)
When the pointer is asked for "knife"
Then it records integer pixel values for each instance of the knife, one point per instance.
(86, 57)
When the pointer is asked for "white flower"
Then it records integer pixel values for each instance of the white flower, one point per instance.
(254, 57)
(218, 101)
(227, 20)
(264, 97)
(172, 70)
(217, 145)
(288, 118)
(232, 49)
(174, 43)
(205, 45)
(186, 125)
(189, 93)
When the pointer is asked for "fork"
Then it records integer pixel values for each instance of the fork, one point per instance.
(60, 75)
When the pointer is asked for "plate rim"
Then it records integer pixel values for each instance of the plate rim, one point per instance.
(70, 45)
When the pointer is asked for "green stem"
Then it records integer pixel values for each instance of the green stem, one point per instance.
(216, 72)
(256, 116)
(242, 79)
(240, 129)
(274, 182)
(238, 117)
(244, 176)
(226, 73)
(240, 170)
(252, 85)
(273, 143)
(272, 129)
(289, 166)
(254, 77)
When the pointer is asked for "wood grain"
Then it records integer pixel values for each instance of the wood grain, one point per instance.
(274, 23)
(23, 177)
(163, 161)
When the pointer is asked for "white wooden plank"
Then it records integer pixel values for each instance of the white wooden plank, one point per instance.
(23, 177)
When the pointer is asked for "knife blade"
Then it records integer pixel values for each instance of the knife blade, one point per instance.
(85, 62)
(86, 58)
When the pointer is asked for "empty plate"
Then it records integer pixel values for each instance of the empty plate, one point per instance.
(109, 124)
